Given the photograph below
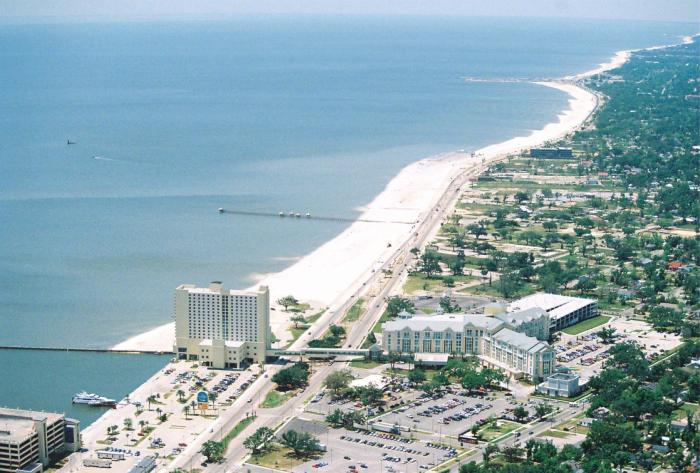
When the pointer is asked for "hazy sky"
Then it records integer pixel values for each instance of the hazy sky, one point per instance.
(76, 10)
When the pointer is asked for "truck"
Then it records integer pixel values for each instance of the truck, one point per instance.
(97, 462)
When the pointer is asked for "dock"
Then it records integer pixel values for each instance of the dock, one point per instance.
(298, 216)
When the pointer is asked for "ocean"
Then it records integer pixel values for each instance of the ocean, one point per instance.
(174, 120)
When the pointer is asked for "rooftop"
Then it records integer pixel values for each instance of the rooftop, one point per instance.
(555, 304)
(438, 323)
(519, 340)
(18, 424)
(217, 288)
(522, 316)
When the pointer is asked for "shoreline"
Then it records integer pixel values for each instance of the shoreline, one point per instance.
(328, 274)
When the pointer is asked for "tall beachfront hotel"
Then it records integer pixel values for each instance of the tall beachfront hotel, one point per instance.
(222, 328)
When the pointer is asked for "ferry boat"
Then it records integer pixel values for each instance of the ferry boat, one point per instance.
(93, 400)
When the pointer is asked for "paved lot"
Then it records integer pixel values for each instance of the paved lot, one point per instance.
(377, 451)
(167, 438)
(585, 354)
(448, 415)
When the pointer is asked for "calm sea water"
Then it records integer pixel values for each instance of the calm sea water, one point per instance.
(47, 381)
(172, 121)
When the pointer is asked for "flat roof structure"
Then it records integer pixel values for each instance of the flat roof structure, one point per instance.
(438, 323)
(556, 305)
(17, 424)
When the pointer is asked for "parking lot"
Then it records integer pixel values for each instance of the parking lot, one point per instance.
(446, 415)
(370, 451)
(585, 353)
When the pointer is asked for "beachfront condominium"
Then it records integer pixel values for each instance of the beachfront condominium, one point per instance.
(222, 328)
(30, 440)
(514, 342)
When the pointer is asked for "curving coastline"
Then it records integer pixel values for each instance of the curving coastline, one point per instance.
(338, 268)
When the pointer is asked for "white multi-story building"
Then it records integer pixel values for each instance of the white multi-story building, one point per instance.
(222, 328)
(30, 440)
(515, 342)
(563, 310)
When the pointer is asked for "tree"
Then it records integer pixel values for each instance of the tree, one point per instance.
(337, 330)
(606, 335)
(302, 443)
(150, 399)
(549, 225)
(128, 423)
(489, 450)
(430, 263)
(213, 451)
(397, 304)
(180, 395)
(186, 410)
(417, 376)
(339, 380)
(512, 454)
(447, 306)
(476, 230)
(142, 424)
(520, 413)
(542, 409)
(521, 196)
(297, 319)
(293, 377)
(287, 301)
(260, 440)
(509, 283)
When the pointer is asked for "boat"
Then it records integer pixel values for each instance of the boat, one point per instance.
(221, 210)
(297, 215)
(281, 214)
(69, 142)
(308, 215)
(93, 399)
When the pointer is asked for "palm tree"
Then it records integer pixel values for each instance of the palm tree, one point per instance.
(212, 398)
(180, 395)
(186, 410)
(193, 404)
(150, 399)
(128, 423)
(142, 423)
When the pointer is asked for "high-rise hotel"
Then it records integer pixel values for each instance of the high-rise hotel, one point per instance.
(222, 328)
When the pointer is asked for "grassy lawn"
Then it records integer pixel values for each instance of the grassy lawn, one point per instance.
(365, 364)
(555, 434)
(275, 399)
(492, 290)
(586, 325)
(277, 457)
(313, 318)
(355, 311)
(572, 425)
(238, 428)
(494, 431)
(681, 413)
(419, 282)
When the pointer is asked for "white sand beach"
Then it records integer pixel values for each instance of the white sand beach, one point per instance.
(338, 269)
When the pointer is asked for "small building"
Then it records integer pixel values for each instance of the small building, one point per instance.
(586, 422)
(560, 384)
(432, 359)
